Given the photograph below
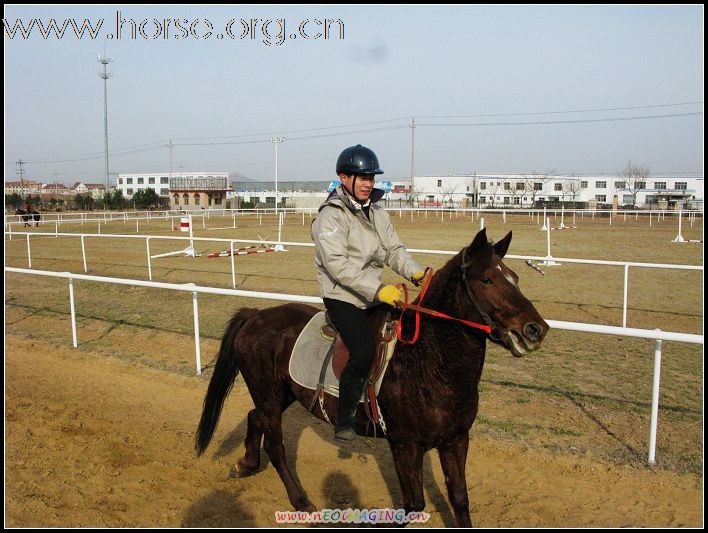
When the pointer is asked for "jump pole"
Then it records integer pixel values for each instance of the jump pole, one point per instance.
(549, 258)
(279, 247)
(189, 251)
(679, 237)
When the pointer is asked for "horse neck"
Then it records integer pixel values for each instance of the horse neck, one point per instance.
(454, 350)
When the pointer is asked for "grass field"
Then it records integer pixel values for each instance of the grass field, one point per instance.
(585, 394)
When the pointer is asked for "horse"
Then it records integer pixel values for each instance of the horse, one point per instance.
(28, 216)
(429, 394)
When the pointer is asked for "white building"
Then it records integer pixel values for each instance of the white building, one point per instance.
(186, 190)
(129, 184)
(523, 190)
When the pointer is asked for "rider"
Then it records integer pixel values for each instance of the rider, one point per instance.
(28, 209)
(354, 238)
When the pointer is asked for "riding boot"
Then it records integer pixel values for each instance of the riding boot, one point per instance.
(351, 387)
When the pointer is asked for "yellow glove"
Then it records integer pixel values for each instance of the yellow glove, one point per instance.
(389, 294)
(417, 278)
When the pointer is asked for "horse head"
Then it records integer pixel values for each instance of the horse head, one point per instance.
(489, 289)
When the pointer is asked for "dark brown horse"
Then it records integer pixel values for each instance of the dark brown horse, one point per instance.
(27, 217)
(429, 395)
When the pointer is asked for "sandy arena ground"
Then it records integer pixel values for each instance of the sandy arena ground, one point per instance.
(96, 441)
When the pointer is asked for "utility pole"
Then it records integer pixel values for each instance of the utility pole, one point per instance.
(170, 147)
(21, 172)
(412, 126)
(104, 76)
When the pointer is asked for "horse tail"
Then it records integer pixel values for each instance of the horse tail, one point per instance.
(225, 372)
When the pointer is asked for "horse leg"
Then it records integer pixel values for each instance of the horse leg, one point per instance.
(252, 459)
(408, 460)
(273, 445)
(453, 457)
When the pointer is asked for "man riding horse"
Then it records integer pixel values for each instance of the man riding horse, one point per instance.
(354, 238)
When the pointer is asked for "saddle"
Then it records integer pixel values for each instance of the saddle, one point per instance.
(319, 357)
(385, 330)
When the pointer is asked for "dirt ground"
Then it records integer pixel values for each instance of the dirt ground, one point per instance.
(100, 441)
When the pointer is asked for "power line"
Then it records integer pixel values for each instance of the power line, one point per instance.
(562, 112)
(549, 122)
(161, 144)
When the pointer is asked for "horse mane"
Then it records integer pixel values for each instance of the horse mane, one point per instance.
(438, 337)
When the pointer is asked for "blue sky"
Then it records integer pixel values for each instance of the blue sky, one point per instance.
(463, 72)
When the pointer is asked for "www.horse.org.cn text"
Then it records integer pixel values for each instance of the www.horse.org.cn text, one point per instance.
(270, 31)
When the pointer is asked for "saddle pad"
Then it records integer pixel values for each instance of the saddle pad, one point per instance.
(308, 354)
(310, 351)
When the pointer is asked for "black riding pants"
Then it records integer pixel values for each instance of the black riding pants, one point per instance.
(352, 324)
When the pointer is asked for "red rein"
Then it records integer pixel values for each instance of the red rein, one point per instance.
(404, 305)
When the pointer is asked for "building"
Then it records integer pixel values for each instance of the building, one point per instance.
(129, 184)
(55, 189)
(186, 190)
(96, 190)
(23, 188)
(199, 190)
(527, 190)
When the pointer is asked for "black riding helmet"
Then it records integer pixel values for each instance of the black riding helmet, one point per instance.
(358, 160)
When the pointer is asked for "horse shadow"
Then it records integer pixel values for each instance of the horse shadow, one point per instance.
(340, 491)
(219, 508)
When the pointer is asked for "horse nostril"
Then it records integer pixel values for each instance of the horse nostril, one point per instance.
(533, 331)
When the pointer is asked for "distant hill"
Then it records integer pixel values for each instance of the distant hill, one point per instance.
(237, 176)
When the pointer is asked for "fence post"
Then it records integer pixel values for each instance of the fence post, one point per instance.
(233, 266)
(83, 254)
(147, 244)
(624, 306)
(655, 402)
(29, 254)
(196, 331)
(73, 313)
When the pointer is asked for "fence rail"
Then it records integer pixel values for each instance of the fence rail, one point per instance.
(656, 335)
(279, 245)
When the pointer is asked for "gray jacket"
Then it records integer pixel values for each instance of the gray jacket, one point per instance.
(351, 250)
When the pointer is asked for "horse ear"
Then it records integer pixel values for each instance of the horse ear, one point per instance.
(480, 241)
(503, 245)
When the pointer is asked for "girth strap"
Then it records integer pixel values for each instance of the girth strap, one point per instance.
(323, 372)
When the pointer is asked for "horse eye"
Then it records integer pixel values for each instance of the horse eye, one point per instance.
(486, 281)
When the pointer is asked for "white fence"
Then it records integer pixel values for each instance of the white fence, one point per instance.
(657, 335)
(548, 259)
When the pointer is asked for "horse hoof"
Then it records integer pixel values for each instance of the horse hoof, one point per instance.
(242, 470)
(305, 505)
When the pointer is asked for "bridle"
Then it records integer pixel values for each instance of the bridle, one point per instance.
(485, 316)
(488, 327)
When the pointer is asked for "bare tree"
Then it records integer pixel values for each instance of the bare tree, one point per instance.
(448, 190)
(414, 194)
(572, 188)
(535, 182)
(635, 179)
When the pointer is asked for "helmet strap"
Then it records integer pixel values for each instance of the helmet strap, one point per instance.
(351, 193)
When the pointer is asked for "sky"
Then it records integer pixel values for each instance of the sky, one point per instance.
(492, 89)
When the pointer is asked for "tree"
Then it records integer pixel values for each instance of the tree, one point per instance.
(572, 188)
(635, 179)
(114, 200)
(448, 190)
(531, 180)
(146, 199)
(14, 200)
(84, 202)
